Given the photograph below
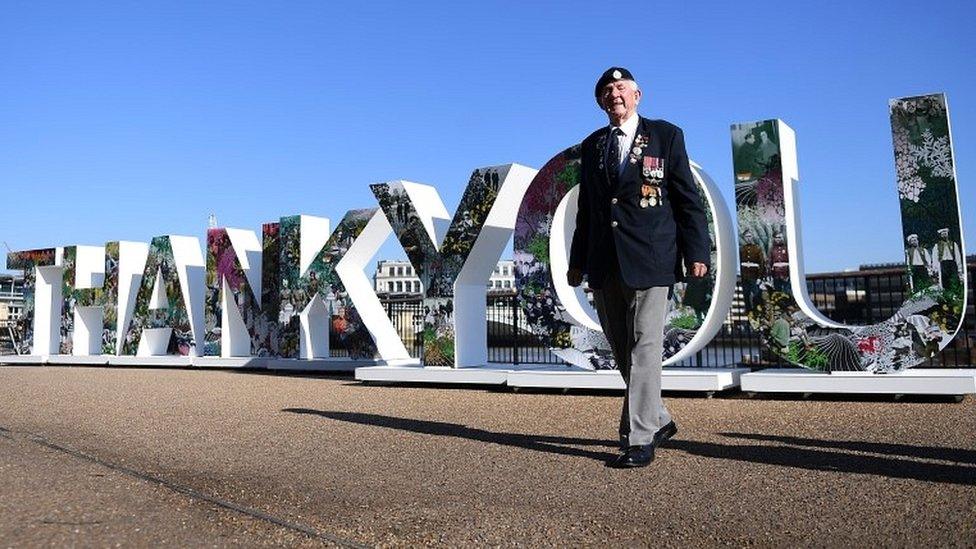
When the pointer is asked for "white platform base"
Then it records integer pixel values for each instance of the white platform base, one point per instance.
(170, 361)
(90, 360)
(23, 360)
(565, 377)
(672, 379)
(915, 381)
(334, 364)
(478, 375)
(229, 362)
(552, 377)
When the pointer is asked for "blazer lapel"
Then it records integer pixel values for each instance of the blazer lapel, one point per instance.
(632, 165)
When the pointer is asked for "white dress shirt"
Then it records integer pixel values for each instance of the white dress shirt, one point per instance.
(625, 141)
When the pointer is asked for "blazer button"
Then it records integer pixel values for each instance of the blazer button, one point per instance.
(613, 200)
(613, 223)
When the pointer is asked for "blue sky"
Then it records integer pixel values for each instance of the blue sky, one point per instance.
(134, 119)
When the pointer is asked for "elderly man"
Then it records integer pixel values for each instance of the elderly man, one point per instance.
(639, 217)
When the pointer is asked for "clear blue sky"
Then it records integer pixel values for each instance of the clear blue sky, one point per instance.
(132, 119)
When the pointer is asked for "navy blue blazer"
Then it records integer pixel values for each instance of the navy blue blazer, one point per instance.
(650, 242)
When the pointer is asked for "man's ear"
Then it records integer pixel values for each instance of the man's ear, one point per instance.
(637, 95)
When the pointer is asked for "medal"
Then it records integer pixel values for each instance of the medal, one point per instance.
(653, 167)
(637, 149)
(650, 194)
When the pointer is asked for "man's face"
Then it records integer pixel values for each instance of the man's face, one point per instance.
(619, 100)
(913, 241)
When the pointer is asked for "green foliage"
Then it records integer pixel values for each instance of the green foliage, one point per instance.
(438, 350)
(797, 353)
(562, 339)
(948, 312)
(531, 288)
(539, 248)
(815, 359)
(794, 353)
(933, 292)
(953, 295)
(687, 322)
(569, 176)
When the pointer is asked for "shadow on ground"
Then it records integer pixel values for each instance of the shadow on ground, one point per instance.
(966, 457)
(540, 443)
(801, 453)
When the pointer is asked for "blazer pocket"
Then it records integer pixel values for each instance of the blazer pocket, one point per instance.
(664, 251)
(664, 242)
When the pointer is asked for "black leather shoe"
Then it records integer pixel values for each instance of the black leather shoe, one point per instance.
(635, 456)
(665, 433)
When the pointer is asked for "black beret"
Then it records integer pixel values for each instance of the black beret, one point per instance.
(612, 75)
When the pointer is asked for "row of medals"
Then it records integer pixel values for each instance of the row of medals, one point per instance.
(653, 176)
(651, 189)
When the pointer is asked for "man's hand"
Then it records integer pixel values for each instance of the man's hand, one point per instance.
(698, 270)
(574, 277)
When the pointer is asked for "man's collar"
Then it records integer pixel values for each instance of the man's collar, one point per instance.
(629, 127)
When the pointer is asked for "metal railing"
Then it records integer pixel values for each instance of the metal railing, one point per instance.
(857, 298)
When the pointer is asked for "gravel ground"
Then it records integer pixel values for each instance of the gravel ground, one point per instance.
(99, 456)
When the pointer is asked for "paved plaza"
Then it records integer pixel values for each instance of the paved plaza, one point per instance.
(105, 456)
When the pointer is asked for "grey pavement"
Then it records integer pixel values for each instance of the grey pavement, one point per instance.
(135, 457)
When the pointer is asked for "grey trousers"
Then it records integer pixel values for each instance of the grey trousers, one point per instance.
(633, 321)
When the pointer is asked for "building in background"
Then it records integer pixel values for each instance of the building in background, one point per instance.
(398, 278)
(11, 307)
(11, 296)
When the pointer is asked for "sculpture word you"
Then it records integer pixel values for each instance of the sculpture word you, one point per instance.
(304, 284)
(773, 283)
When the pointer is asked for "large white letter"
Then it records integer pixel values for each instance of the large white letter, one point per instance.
(773, 280)
(454, 262)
